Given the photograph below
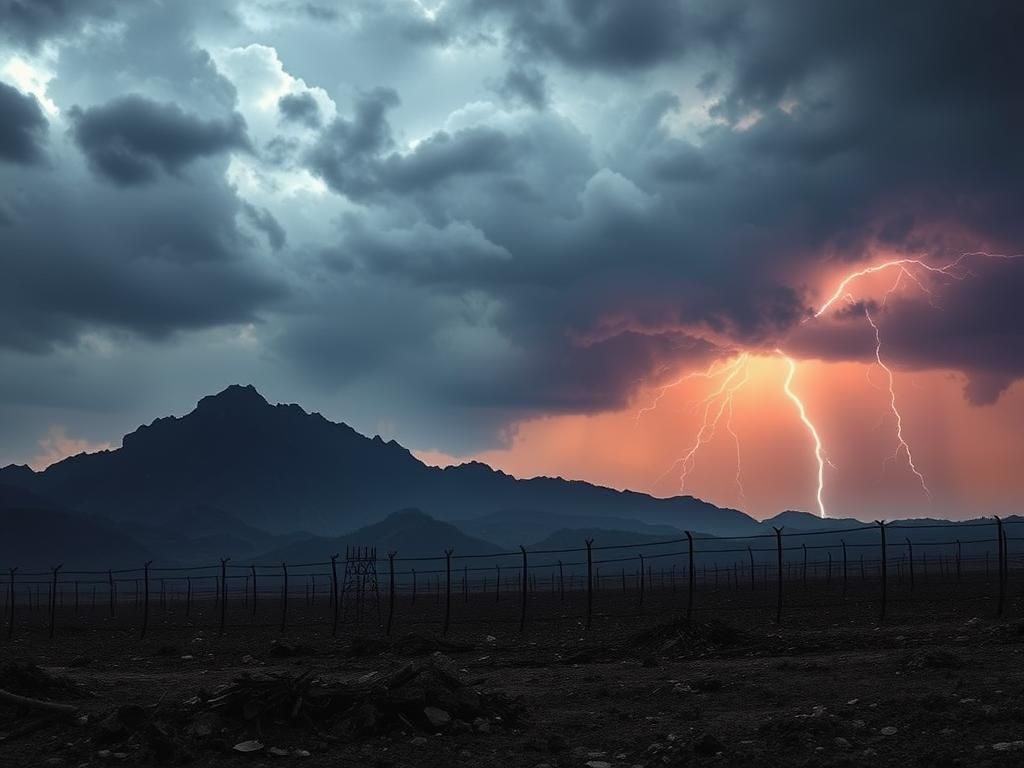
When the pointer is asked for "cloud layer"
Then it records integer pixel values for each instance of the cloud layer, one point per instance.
(452, 220)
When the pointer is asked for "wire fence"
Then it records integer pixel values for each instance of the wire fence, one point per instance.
(364, 588)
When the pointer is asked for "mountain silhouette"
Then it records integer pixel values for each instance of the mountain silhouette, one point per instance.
(281, 469)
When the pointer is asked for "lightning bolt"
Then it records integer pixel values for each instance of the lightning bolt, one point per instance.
(892, 406)
(719, 403)
(716, 405)
(818, 452)
(947, 270)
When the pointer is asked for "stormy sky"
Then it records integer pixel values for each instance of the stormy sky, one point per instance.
(491, 228)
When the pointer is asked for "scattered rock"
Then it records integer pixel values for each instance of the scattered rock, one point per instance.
(437, 717)
(248, 746)
(418, 741)
(889, 730)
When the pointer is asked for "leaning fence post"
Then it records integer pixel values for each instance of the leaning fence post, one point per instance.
(884, 569)
(284, 596)
(10, 625)
(53, 600)
(691, 577)
(448, 590)
(391, 590)
(145, 601)
(778, 596)
(910, 557)
(522, 607)
(1002, 567)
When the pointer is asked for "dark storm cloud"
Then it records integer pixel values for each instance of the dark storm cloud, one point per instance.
(129, 139)
(842, 127)
(29, 22)
(971, 324)
(23, 127)
(300, 108)
(523, 84)
(600, 34)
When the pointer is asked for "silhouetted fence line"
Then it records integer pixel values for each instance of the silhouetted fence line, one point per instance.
(693, 565)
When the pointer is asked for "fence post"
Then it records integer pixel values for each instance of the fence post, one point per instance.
(448, 589)
(223, 591)
(522, 607)
(753, 582)
(413, 601)
(691, 577)
(334, 595)
(804, 571)
(53, 599)
(778, 555)
(828, 574)
(465, 583)
(910, 557)
(284, 596)
(884, 569)
(641, 579)
(561, 581)
(188, 596)
(958, 559)
(590, 583)
(843, 542)
(113, 594)
(10, 625)
(497, 584)
(1002, 567)
(145, 600)
(391, 590)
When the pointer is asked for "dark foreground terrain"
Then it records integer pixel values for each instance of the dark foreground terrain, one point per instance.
(940, 683)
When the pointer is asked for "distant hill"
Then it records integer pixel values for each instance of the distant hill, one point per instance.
(36, 534)
(409, 532)
(278, 468)
(512, 527)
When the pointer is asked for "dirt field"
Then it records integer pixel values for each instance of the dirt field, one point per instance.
(940, 683)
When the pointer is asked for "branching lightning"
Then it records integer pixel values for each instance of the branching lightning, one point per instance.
(818, 452)
(735, 373)
(902, 443)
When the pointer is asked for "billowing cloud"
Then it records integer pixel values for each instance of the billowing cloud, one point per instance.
(526, 209)
(23, 129)
(129, 139)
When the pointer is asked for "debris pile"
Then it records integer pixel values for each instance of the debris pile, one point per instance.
(254, 713)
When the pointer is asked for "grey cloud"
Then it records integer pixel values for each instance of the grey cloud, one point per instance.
(526, 85)
(300, 108)
(23, 127)
(264, 221)
(129, 139)
(29, 22)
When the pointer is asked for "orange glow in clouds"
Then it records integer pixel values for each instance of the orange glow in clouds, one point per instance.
(754, 428)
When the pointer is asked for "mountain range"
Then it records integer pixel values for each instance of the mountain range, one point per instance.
(241, 477)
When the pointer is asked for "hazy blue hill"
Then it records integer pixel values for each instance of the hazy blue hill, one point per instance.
(512, 527)
(38, 535)
(409, 532)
